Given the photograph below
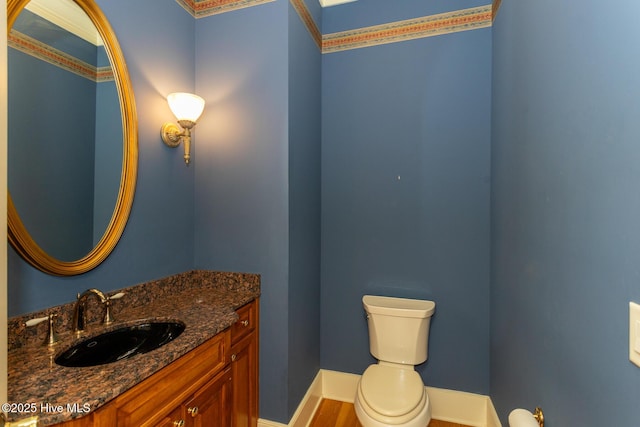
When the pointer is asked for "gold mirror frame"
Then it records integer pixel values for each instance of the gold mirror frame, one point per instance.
(19, 237)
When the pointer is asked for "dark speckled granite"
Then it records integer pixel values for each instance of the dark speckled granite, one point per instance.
(204, 300)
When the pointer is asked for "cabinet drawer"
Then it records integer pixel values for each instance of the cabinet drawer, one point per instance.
(150, 401)
(248, 314)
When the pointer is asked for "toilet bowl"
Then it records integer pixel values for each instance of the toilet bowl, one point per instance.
(389, 397)
(391, 392)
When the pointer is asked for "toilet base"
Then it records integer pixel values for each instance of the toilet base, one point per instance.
(421, 420)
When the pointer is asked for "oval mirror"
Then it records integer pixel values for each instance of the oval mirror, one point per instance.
(72, 135)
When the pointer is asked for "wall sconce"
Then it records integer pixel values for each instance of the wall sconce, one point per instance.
(187, 108)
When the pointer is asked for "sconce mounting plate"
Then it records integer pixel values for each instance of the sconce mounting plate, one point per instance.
(171, 134)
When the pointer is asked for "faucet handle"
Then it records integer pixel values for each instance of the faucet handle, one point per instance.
(52, 337)
(116, 296)
(108, 318)
(36, 321)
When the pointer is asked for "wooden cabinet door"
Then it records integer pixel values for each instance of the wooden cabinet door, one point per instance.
(211, 405)
(244, 368)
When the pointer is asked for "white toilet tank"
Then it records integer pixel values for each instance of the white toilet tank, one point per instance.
(398, 328)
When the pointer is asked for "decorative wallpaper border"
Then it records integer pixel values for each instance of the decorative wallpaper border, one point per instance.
(307, 19)
(203, 8)
(428, 26)
(496, 7)
(58, 58)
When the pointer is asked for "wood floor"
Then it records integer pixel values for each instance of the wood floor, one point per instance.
(332, 413)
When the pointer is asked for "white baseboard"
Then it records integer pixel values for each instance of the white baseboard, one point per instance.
(267, 423)
(459, 407)
(471, 409)
(309, 404)
(339, 385)
(306, 409)
(492, 416)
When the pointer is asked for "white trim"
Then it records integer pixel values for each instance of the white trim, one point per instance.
(327, 3)
(267, 423)
(306, 409)
(339, 385)
(68, 15)
(309, 404)
(492, 416)
(460, 407)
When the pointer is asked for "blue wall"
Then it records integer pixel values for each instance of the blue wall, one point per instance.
(241, 165)
(250, 199)
(405, 198)
(565, 208)
(365, 13)
(258, 183)
(527, 171)
(304, 208)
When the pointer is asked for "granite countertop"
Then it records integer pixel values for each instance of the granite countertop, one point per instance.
(205, 301)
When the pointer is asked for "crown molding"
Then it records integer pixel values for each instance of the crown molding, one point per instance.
(68, 15)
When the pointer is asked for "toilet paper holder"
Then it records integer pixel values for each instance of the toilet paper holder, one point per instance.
(539, 416)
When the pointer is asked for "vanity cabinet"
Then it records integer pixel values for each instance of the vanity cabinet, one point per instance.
(215, 384)
(244, 366)
(172, 389)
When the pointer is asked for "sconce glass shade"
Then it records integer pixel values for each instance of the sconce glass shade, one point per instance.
(186, 106)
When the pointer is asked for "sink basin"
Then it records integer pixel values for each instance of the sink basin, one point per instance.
(120, 344)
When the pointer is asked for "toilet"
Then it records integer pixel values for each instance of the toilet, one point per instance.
(391, 392)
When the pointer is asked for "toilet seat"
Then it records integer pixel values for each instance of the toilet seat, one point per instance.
(390, 394)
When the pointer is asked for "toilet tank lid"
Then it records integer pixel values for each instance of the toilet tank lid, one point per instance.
(403, 307)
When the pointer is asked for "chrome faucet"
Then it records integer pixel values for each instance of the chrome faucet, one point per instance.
(79, 311)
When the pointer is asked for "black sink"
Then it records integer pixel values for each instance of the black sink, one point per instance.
(120, 344)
